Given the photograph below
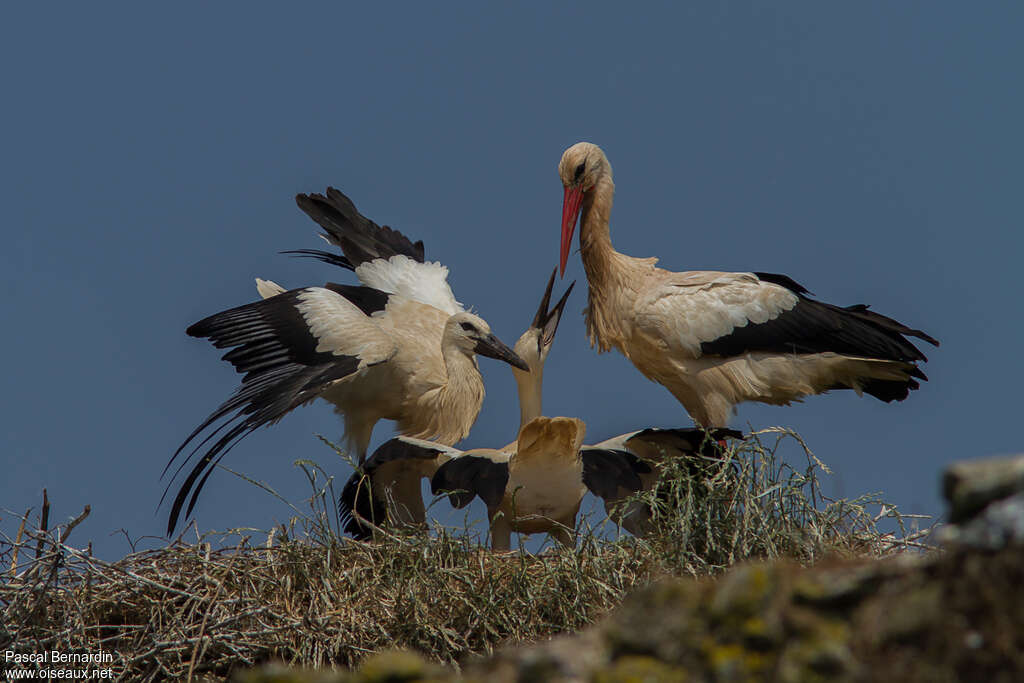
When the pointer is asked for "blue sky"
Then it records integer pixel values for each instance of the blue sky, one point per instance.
(871, 151)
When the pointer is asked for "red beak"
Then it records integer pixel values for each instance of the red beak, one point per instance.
(571, 204)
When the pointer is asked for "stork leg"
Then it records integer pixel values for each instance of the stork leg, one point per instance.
(636, 519)
(564, 533)
(501, 532)
(359, 431)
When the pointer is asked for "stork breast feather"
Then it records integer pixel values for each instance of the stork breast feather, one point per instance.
(426, 283)
(685, 316)
(340, 328)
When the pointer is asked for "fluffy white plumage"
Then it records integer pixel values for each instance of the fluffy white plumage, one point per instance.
(426, 283)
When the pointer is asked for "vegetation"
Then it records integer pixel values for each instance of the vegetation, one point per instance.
(305, 596)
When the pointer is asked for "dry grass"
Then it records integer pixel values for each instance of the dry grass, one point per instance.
(305, 596)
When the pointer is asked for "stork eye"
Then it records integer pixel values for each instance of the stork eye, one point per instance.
(579, 171)
(468, 327)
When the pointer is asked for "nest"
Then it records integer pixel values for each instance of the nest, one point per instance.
(305, 596)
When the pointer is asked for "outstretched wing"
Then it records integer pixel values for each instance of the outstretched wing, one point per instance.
(358, 237)
(381, 257)
(612, 474)
(289, 349)
(469, 476)
(676, 441)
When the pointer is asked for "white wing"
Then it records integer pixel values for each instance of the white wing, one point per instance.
(426, 283)
(268, 288)
(340, 328)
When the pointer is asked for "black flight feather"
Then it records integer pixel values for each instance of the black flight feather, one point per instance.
(272, 346)
(358, 494)
(359, 238)
(815, 327)
(469, 476)
(320, 255)
(607, 470)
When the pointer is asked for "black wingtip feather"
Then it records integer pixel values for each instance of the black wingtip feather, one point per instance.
(358, 494)
(783, 281)
(325, 256)
(469, 476)
(696, 439)
(357, 497)
(815, 327)
(272, 345)
(606, 470)
(359, 238)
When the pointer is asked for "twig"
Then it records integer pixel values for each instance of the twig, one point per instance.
(43, 522)
(17, 544)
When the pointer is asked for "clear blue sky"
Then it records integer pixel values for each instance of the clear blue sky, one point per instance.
(871, 151)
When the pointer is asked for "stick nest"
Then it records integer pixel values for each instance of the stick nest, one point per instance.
(303, 595)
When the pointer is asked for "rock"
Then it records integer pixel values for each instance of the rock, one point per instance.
(996, 526)
(396, 666)
(956, 615)
(972, 485)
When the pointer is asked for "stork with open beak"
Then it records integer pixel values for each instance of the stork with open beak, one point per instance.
(387, 486)
(537, 488)
(539, 461)
(716, 339)
(537, 483)
(398, 347)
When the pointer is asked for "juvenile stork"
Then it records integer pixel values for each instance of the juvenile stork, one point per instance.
(539, 486)
(387, 486)
(536, 484)
(399, 347)
(650, 450)
(715, 339)
(552, 476)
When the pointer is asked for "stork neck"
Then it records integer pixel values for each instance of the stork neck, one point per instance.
(461, 396)
(595, 240)
(461, 367)
(530, 386)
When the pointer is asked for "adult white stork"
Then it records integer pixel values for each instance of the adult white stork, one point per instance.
(398, 347)
(715, 339)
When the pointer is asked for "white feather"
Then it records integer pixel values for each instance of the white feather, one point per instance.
(268, 288)
(685, 315)
(342, 329)
(426, 283)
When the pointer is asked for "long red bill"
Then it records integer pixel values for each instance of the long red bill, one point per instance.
(571, 204)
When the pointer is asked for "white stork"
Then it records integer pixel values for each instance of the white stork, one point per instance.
(536, 484)
(538, 476)
(715, 339)
(398, 347)
(649, 449)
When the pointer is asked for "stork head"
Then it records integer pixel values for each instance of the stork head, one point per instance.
(534, 345)
(471, 334)
(582, 165)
